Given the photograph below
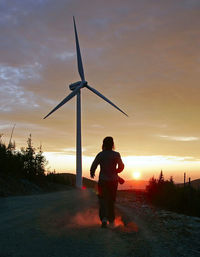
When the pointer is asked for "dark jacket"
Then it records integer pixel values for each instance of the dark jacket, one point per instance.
(110, 164)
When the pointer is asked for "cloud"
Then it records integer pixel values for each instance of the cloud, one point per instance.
(65, 55)
(13, 93)
(97, 126)
(70, 151)
(179, 138)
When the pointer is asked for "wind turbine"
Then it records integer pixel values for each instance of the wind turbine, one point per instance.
(76, 90)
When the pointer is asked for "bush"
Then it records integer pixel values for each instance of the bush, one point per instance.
(26, 163)
(165, 194)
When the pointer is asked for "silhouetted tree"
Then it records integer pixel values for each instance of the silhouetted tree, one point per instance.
(171, 180)
(40, 162)
(166, 194)
(2, 155)
(161, 178)
(29, 158)
(26, 163)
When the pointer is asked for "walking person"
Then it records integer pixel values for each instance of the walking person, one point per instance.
(110, 165)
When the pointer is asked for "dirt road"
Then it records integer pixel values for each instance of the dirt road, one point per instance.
(66, 224)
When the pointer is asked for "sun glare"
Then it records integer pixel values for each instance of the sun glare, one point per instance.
(136, 174)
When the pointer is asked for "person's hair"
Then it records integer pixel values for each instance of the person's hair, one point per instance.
(108, 143)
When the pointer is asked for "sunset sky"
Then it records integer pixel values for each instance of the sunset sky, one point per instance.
(142, 54)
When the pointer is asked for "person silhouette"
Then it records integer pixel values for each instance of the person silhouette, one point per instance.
(110, 165)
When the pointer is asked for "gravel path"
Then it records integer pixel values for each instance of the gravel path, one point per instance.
(66, 224)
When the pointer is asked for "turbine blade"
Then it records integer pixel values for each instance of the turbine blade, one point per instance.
(105, 98)
(66, 99)
(78, 52)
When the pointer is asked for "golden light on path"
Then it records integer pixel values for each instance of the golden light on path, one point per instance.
(136, 174)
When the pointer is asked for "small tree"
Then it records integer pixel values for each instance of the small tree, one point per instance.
(26, 163)
(161, 178)
(29, 158)
(2, 156)
(171, 180)
(151, 188)
(40, 162)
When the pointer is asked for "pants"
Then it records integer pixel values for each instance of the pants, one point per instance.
(107, 194)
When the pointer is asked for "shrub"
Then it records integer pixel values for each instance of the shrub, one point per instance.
(26, 163)
(165, 194)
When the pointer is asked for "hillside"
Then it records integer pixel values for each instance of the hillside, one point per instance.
(194, 183)
(11, 186)
(71, 179)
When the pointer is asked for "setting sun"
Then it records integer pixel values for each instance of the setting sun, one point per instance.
(136, 174)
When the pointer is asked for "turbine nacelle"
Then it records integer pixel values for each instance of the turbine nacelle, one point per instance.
(76, 84)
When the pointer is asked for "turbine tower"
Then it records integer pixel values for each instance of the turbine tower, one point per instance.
(76, 90)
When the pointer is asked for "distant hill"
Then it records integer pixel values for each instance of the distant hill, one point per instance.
(10, 186)
(133, 184)
(141, 184)
(70, 178)
(129, 184)
(194, 183)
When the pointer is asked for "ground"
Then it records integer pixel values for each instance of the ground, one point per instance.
(66, 224)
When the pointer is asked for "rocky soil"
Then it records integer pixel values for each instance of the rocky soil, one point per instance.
(162, 232)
